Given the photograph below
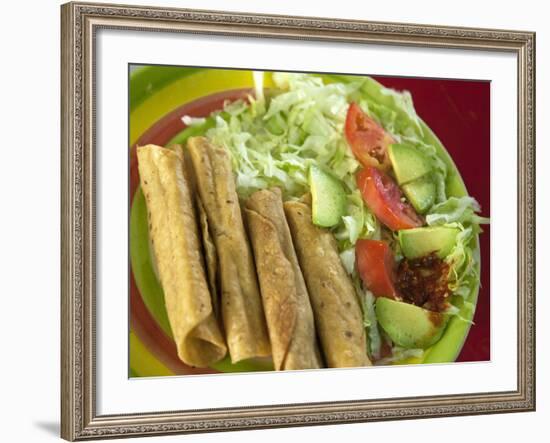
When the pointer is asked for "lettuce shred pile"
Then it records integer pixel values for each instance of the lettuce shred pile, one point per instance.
(274, 139)
(460, 213)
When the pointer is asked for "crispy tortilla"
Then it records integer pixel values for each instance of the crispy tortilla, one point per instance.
(284, 293)
(241, 305)
(177, 250)
(335, 305)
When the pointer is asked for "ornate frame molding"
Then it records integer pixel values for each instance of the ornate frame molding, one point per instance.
(79, 420)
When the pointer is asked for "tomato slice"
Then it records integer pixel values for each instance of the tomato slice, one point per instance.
(376, 267)
(367, 139)
(384, 198)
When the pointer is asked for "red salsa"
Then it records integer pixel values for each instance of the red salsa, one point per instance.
(423, 282)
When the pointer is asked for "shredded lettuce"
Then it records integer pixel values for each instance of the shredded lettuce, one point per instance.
(454, 310)
(370, 321)
(395, 110)
(460, 213)
(375, 340)
(348, 260)
(456, 210)
(193, 121)
(463, 270)
(359, 223)
(273, 141)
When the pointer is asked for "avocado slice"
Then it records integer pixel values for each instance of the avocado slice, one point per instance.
(419, 242)
(409, 326)
(421, 193)
(328, 198)
(408, 163)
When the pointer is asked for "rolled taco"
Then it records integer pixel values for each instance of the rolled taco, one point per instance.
(177, 250)
(209, 249)
(337, 311)
(241, 305)
(284, 293)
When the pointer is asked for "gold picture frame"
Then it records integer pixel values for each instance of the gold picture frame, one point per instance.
(80, 21)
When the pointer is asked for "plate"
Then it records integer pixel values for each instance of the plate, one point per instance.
(159, 97)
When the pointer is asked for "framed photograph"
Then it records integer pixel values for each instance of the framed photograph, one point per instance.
(283, 221)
